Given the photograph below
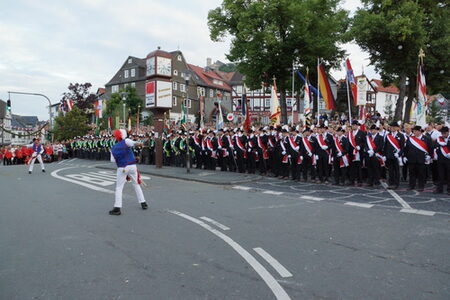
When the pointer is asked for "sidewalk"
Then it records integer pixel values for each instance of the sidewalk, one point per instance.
(204, 176)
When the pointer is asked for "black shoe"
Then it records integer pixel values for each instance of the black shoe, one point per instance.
(116, 211)
(144, 205)
(43, 171)
(29, 172)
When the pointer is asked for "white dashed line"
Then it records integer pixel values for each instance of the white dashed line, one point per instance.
(396, 197)
(418, 212)
(306, 197)
(214, 222)
(240, 187)
(273, 193)
(273, 262)
(271, 282)
(365, 205)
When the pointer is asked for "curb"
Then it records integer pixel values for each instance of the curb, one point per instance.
(189, 179)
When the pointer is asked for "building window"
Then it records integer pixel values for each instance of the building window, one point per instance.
(115, 89)
(288, 102)
(211, 93)
(125, 85)
(174, 101)
(126, 73)
(133, 72)
(202, 92)
(179, 57)
(175, 72)
(175, 86)
(130, 60)
(218, 82)
(182, 87)
(188, 103)
(133, 84)
(267, 104)
(239, 89)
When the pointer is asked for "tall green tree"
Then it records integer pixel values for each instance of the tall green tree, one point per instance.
(268, 35)
(74, 123)
(80, 95)
(114, 105)
(393, 32)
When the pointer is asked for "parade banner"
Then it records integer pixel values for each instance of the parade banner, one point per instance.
(421, 92)
(361, 95)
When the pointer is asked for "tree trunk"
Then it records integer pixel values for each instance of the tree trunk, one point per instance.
(283, 106)
(409, 101)
(399, 108)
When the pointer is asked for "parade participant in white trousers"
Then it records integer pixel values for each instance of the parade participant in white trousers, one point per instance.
(38, 149)
(123, 156)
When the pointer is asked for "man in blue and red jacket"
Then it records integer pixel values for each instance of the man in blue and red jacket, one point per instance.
(122, 155)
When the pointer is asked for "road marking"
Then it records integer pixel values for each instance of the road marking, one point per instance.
(89, 186)
(60, 162)
(214, 222)
(365, 205)
(396, 197)
(418, 212)
(91, 179)
(306, 197)
(273, 262)
(273, 193)
(271, 282)
(240, 187)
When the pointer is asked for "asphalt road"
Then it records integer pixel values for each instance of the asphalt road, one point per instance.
(57, 240)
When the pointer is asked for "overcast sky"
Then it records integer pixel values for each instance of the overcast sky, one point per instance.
(47, 44)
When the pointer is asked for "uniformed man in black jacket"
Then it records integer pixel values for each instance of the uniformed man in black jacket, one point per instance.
(393, 151)
(442, 146)
(373, 155)
(323, 151)
(307, 149)
(357, 141)
(294, 149)
(340, 148)
(417, 153)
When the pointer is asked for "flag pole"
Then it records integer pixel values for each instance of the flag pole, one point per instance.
(318, 89)
(293, 98)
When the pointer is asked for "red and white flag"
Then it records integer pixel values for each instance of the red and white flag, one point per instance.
(69, 104)
(98, 108)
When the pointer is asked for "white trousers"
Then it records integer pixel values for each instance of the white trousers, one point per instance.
(39, 158)
(122, 173)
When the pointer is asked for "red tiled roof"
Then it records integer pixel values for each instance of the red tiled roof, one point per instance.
(388, 89)
(209, 76)
(225, 75)
(101, 91)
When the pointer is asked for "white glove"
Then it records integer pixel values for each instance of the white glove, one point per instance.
(405, 160)
(383, 158)
(301, 157)
(309, 154)
(324, 147)
(296, 148)
(339, 154)
(396, 155)
(235, 152)
(358, 148)
(370, 152)
(283, 153)
(249, 150)
(220, 147)
(232, 147)
(448, 156)
(427, 157)
(316, 157)
(289, 156)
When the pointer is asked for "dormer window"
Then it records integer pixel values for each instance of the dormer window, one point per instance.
(130, 60)
(179, 57)
(175, 72)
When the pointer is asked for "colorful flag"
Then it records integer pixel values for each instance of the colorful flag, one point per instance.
(244, 104)
(275, 109)
(69, 104)
(307, 101)
(421, 94)
(325, 89)
(183, 118)
(219, 122)
(98, 108)
(110, 123)
(351, 81)
(247, 114)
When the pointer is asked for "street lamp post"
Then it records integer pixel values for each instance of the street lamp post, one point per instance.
(188, 153)
(124, 99)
